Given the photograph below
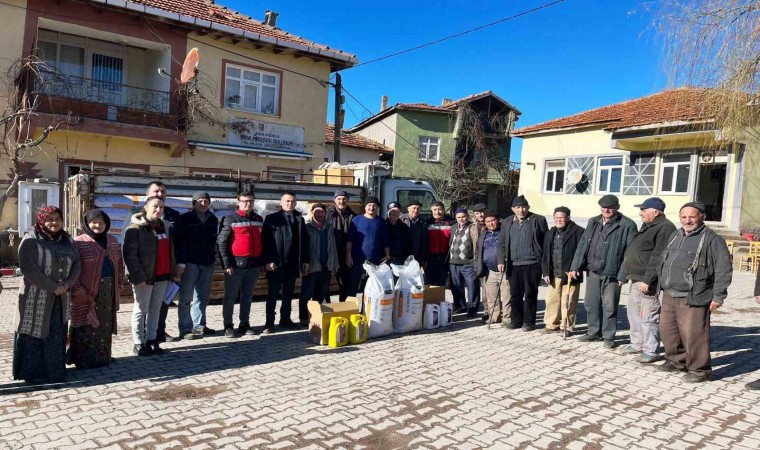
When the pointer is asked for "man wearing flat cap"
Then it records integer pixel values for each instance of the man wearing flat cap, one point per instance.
(694, 274)
(560, 244)
(640, 267)
(340, 216)
(600, 253)
(200, 228)
(520, 248)
(417, 231)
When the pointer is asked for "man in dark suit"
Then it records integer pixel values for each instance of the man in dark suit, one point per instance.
(286, 250)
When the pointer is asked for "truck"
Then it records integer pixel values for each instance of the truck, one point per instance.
(121, 195)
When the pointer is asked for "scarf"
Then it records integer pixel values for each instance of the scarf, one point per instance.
(39, 226)
(89, 216)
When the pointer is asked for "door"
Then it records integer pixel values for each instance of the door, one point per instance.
(711, 187)
(31, 197)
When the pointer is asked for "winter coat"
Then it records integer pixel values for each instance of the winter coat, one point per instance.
(278, 236)
(620, 236)
(539, 227)
(418, 234)
(340, 225)
(399, 241)
(713, 271)
(44, 264)
(140, 249)
(642, 256)
(85, 290)
(315, 265)
(199, 238)
(240, 236)
(572, 237)
(481, 269)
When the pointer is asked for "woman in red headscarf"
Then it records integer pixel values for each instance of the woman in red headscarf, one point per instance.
(50, 266)
(95, 295)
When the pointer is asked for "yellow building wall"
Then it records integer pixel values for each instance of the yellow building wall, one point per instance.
(750, 186)
(594, 142)
(303, 100)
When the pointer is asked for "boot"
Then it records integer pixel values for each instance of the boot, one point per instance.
(154, 348)
(142, 350)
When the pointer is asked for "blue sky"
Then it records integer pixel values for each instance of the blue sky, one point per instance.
(574, 56)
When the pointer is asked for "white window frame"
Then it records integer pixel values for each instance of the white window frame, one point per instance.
(553, 171)
(258, 84)
(429, 143)
(674, 181)
(600, 169)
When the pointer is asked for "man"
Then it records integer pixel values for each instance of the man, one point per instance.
(200, 233)
(399, 235)
(417, 231)
(694, 274)
(752, 385)
(367, 241)
(438, 235)
(286, 251)
(323, 262)
(497, 301)
(158, 189)
(640, 267)
(241, 251)
(479, 226)
(340, 216)
(520, 245)
(600, 253)
(559, 248)
(461, 256)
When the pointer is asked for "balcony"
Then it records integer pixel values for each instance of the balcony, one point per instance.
(103, 100)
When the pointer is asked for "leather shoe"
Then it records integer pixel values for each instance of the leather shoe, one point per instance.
(528, 327)
(753, 385)
(668, 366)
(691, 377)
(288, 325)
(510, 325)
(268, 329)
(589, 338)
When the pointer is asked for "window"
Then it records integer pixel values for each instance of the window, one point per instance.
(251, 90)
(407, 196)
(609, 175)
(428, 149)
(674, 174)
(554, 176)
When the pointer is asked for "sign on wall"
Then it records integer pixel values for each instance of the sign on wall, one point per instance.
(265, 135)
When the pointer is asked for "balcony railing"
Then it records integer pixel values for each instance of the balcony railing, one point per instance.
(103, 100)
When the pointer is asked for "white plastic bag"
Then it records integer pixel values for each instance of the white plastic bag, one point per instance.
(378, 300)
(409, 296)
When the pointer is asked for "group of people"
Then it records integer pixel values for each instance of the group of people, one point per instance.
(71, 285)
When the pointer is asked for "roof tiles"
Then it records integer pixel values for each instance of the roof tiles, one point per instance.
(355, 140)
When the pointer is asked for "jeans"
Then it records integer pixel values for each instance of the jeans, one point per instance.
(314, 286)
(524, 283)
(463, 277)
(244, 282)
(195, 289)
(644, 319)
(280, 279)
(148, 301)
(601, 303)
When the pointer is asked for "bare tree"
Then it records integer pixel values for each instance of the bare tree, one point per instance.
(716, 44)
(24, 77)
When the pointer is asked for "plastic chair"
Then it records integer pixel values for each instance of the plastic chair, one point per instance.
(751, 260)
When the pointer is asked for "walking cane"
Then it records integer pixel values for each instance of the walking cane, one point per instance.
(566, 316)
(498, 298)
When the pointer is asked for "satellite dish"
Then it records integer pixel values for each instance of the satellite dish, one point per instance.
(190, 65)
(575, 176)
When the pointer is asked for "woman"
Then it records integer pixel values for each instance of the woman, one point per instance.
(323, 261)
(95, 295)
(50, 266)
(149, 257)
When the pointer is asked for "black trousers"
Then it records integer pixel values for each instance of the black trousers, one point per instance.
(523, 284)
(161, 330)
(343, 276)
(281, 279)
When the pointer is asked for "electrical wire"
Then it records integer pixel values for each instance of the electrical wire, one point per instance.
(454, 36)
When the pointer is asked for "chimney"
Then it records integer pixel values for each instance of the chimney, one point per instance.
(270, 18)
(445, 101)
(384, 103)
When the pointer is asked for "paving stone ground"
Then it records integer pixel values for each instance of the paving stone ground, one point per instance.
(463, 387)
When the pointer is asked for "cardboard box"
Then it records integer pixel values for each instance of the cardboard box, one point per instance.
(434, 295)
(320, 315)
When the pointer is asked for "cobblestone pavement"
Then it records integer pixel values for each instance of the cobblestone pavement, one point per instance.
(464, 387)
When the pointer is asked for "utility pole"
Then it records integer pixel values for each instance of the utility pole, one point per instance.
(338, 117)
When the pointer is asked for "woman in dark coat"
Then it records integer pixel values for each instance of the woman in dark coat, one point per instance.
(50, 266)
(95, 295)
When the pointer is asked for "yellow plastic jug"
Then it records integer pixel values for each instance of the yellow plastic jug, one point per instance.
(357, 329)
(338, 332)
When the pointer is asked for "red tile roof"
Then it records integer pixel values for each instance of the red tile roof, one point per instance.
(682, 104)
(209, 11)
(355, 140)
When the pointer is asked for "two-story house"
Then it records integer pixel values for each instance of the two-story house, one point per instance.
(256, 105)
(466, 138)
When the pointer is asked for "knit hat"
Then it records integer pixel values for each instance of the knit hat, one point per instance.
(371, 199)
(318, 206)
(520, 201)
(341, 193)
(460, 211)
(563, 209)
(199, 195)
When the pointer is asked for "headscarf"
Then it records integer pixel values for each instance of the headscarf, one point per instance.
(39, 226)
(88, 217)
